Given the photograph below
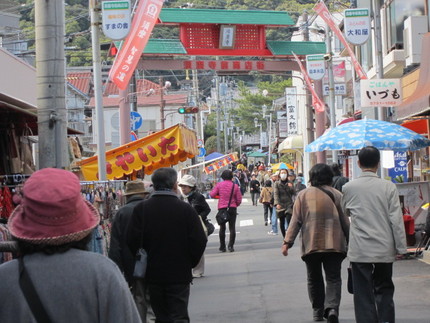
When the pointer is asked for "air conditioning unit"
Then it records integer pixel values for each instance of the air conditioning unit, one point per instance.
(414, 28)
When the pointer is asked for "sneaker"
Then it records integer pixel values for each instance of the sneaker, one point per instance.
(271, 233)
(332, 316)
(222, 249)
(265, 223)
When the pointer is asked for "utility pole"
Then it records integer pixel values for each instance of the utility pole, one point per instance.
(218, 128)
(162, 102)
(378, 49)
(97, 74)
(51, 102)
(310, 135)
(331, 104)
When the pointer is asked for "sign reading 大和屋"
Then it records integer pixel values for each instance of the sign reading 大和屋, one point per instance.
(315, 65)
(357, 25)
(116, 19)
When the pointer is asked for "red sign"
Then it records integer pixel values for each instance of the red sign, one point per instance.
(224, 65)
(126, 61)
(321, 9)
(316, 101)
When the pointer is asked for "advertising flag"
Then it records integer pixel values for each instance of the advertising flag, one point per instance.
(316, 101)
(321, 9)
(144, 20)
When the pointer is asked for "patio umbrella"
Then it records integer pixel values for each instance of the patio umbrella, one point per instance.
(361, 133)
(278, 166)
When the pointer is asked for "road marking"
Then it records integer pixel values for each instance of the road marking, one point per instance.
(246, 223)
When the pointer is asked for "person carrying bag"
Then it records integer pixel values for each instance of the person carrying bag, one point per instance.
(229, 199)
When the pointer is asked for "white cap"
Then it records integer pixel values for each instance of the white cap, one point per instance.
(187, 180)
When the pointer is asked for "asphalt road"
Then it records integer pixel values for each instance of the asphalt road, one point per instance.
(257, 284)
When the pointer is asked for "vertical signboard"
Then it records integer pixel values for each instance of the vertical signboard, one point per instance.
(282, 124)
(399, 173)
(291, 104)
(357, 25)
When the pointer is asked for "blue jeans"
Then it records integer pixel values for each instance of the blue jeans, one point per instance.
(274, 221)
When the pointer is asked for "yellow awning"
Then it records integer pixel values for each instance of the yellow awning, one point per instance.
(291, 144)
(161, 149)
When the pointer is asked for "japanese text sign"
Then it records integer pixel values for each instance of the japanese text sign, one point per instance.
(281, 116)
(322, 10)
(339, 89)
(116, 19)
(357, 25)
(161, 149)
(316, 101)
(381, 93)
(291, 105)
(315, 65)
(145, 17)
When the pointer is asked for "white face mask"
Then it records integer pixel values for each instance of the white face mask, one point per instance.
(283, 177)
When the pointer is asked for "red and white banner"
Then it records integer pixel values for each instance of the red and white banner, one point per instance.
(144, 20)
(321, 9)
(316, 101)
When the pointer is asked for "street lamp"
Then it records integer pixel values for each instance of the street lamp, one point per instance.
(256, 124)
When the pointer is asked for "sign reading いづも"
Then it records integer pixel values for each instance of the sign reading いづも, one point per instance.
(381, 93)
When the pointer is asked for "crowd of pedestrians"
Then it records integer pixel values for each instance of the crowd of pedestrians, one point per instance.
(167, 225)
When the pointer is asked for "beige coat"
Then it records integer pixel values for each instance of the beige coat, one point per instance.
(377, 228)
(266, 195)
(323, 229)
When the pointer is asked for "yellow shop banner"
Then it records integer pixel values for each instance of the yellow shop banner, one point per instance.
(161, 149)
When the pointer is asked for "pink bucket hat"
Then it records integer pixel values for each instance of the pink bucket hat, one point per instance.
(52, 210)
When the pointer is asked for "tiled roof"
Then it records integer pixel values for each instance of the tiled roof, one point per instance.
(152, 100)
(298, 47)
(143, 86)
(164, 46)
(81, 81)
(222, 16)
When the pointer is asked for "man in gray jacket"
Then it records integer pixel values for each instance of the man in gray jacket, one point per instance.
(377, 234)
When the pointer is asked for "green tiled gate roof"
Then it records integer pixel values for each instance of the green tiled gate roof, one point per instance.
(281, 48)
(222, 16)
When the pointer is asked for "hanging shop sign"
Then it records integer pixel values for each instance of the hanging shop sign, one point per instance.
(116, 19)
(144, 20)
(357, 25)
(381, 93)
(220, 163)
(315, 65)
(161, 149)
(291, 100)
(339, 89)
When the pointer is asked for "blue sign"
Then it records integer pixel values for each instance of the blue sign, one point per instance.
(399, 173)
(202, 152)
(136, 120)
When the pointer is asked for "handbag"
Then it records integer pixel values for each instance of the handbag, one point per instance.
(350, 283)
(141, 261)
(30, 294)
(209, 226)
(222, 216)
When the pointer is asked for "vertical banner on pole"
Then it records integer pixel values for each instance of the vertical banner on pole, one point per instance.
(316, 101)
(322, 10)
(291, 100)
(144, 20)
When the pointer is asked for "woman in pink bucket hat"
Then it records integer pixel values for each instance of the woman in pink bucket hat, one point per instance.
(55, 279)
